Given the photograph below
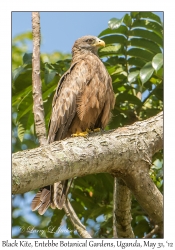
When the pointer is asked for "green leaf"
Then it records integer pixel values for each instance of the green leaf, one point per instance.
(150, 15)
(118, 78)
(27, 58)
(159, 92)
(141, 227)
(78, 207)
(116, 70)
(54, 223)
(157, 61)
(49, 74)
(111, 49)
(141, 53)
(21, 131)
(25, 105)
(159, 74)
(133, 76)
(127, 20)
(22, 79)
(95, 212)
(17, 72)
(128, 97)
(115, 23)
(149, 25)
(145, 44)
(121, 30)
(85, 200)
(146, 72)
(146, 34)
(48, 91)
(114, 39)
(120, 87)
(107, 181)
(135, 61)
(134, 14)
(60, 66)
(16, 98)
(25, 123)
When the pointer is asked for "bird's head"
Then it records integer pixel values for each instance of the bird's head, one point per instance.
(88, 43)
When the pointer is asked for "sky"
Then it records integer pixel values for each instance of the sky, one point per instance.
(59, 30)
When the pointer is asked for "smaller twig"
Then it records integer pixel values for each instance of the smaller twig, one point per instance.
(114, 208)
(68, 188)
(154, 231)
(81, 229)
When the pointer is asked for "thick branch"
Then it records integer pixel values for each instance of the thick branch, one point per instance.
(107, 152)
(125, 152)
(146, 192)
(38, 108)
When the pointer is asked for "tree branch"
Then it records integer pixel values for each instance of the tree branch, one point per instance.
(107, 152)
(75, 220)
(154, 231)
(123, 210)
(125, 152)
(146, 192)
(38, 108)
(115, 236)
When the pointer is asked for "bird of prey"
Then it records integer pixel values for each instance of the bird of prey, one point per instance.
(83, 101)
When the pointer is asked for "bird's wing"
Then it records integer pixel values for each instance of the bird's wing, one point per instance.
(64, 105)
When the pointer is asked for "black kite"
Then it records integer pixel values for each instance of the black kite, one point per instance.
(83, 100)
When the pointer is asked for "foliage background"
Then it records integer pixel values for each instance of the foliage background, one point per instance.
(133, 57)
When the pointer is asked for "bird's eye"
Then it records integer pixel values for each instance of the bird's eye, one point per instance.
(89, 40)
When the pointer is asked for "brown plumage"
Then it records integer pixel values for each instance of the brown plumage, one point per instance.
(83, 100)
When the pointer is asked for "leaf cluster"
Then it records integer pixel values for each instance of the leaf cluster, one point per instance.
(134, 58)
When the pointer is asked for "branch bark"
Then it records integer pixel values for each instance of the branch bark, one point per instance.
(114, 151)
(125, 152)
(123, 210)
(115, 235)
(38, 108)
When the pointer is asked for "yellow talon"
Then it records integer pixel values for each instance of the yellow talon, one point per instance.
(85, 133)
(82, 134)
(97, 129)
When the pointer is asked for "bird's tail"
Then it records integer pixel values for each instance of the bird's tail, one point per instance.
(54, 196)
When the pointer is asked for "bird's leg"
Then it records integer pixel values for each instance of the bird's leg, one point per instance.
(81, 134)
(90, 131)
(86, 133)
(96, 129)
